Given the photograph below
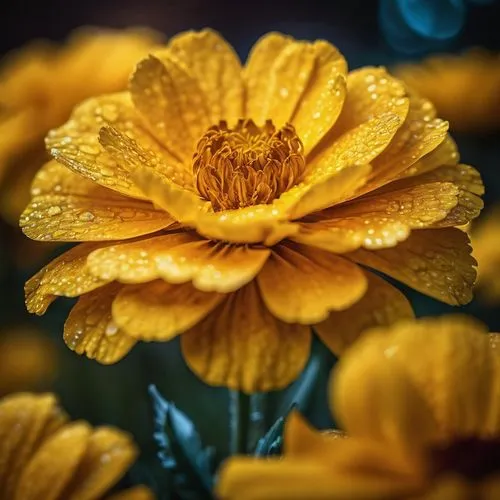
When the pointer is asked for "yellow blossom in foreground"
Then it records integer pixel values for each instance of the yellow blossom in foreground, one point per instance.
(248, 196)
(464, 88)
(44, 456)
(485, 235)
(420, 402)
(28, 360)
(39, 86)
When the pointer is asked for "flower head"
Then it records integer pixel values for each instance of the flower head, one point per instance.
(39, 86)
(43, 455)
(233, 205)
(464, 88)
(420, 404)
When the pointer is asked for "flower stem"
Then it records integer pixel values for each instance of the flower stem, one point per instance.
(239, 410)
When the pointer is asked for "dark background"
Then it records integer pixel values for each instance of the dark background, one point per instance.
(118, 394)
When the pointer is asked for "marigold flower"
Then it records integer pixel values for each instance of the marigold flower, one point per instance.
(39, 86)
(249, 195)
(464, 88)
(43, 455)
(419, 402)
(28, 360)
(485, 235)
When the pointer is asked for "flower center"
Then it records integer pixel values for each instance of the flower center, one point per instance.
(472, 458)
(247, 165)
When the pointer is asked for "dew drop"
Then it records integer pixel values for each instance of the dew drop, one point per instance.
(54, 210)
(111, 329)
(86, 216)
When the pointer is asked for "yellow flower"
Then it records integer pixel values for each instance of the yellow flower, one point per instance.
(486, 238)
(27, 360)
(464, 88)
(44, 456)
(39, 86)
(249, 195)
(420, 404)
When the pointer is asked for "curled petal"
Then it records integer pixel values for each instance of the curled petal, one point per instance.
(436, 262)
(52, 467)
(66, 276)
(109, 454)
(381, 305)
(216, 68)
(327, 282)
(90, 329)
(240, 345)
(171, 102)
(159, 310)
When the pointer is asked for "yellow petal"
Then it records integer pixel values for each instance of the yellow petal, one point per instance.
(216, 68)
(383, 219)
(301, 284)
(381, 305)
(493, 425)
(436, 262)
(76, 143)
(53, 465)
(374, 400)
(66, 276)
(136, 493)
(171, 102)
(24, 420)
(240, 345)
(109, 454)
(93, 216)
(90, 329)
(324, 190)
(448, 360)
(159, 310)
(322, 100)
(178, 258)
(370, 92)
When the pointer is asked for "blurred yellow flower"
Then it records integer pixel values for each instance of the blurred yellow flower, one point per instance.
(39, 86)
(420, 404)
(28, 360)
(485, 235)
(44, 456)
(464, 88)
(249, 195)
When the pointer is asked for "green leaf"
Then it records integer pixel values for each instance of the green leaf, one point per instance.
(181, 450)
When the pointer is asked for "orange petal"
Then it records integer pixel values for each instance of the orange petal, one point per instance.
(374, 401)
(178, 258)
(136, 493)
(51, 468)
(25, 419)
(65, 276)
(240, 345)
(381, 305)
(322, 100)
(159, 310)
(301, 284)
(90, 329)
(436, 262)
(171, 102)
(383, 219)
(76, 143)
(109, 454)
(93, 215)
(216, 68)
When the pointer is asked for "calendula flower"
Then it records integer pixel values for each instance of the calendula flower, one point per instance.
(486, 237)
(420, 404)
(28, 360)
(45, 456)
(249, 195)
(464, 88)
(39, 86)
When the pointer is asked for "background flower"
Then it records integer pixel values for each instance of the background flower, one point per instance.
(42, 455)
(257, 236)
(419, 403)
